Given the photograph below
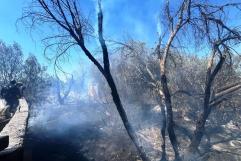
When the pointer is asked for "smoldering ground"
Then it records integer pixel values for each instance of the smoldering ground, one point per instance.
(87, 131)
(91, 129)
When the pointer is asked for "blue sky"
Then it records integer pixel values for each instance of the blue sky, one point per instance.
(122, 18)
(10, 11)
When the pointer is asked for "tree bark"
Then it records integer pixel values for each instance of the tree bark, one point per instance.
(114, 93)
(199, 131)
(163, 121)
(200, 125)
(169, 116)
(122, 113)
(163, 133)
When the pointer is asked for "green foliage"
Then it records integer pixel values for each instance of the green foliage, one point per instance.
(35, 79)
(11, 61)
(30, 72)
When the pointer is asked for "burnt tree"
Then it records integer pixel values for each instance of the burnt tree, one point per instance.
(67, 16)
(207, 22)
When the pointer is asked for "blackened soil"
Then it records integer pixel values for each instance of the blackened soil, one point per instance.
(44, 146)
(79, 143)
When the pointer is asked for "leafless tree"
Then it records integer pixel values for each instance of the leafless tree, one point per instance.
(222, 40)
(207, 22)
(141, 74)
(74, 29)
(61, 93)
(182, 17)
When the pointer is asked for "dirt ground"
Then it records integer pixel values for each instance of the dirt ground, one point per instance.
(103, 138)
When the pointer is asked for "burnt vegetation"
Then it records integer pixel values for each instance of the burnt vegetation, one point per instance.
(177, 100)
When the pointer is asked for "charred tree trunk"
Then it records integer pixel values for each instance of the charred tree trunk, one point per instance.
(163, 60)
(199, 131)
(115, 95)
(163, 133)
(163, 121)
(166, 94)
(122, 113)
(169, 116)
(200, 125)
